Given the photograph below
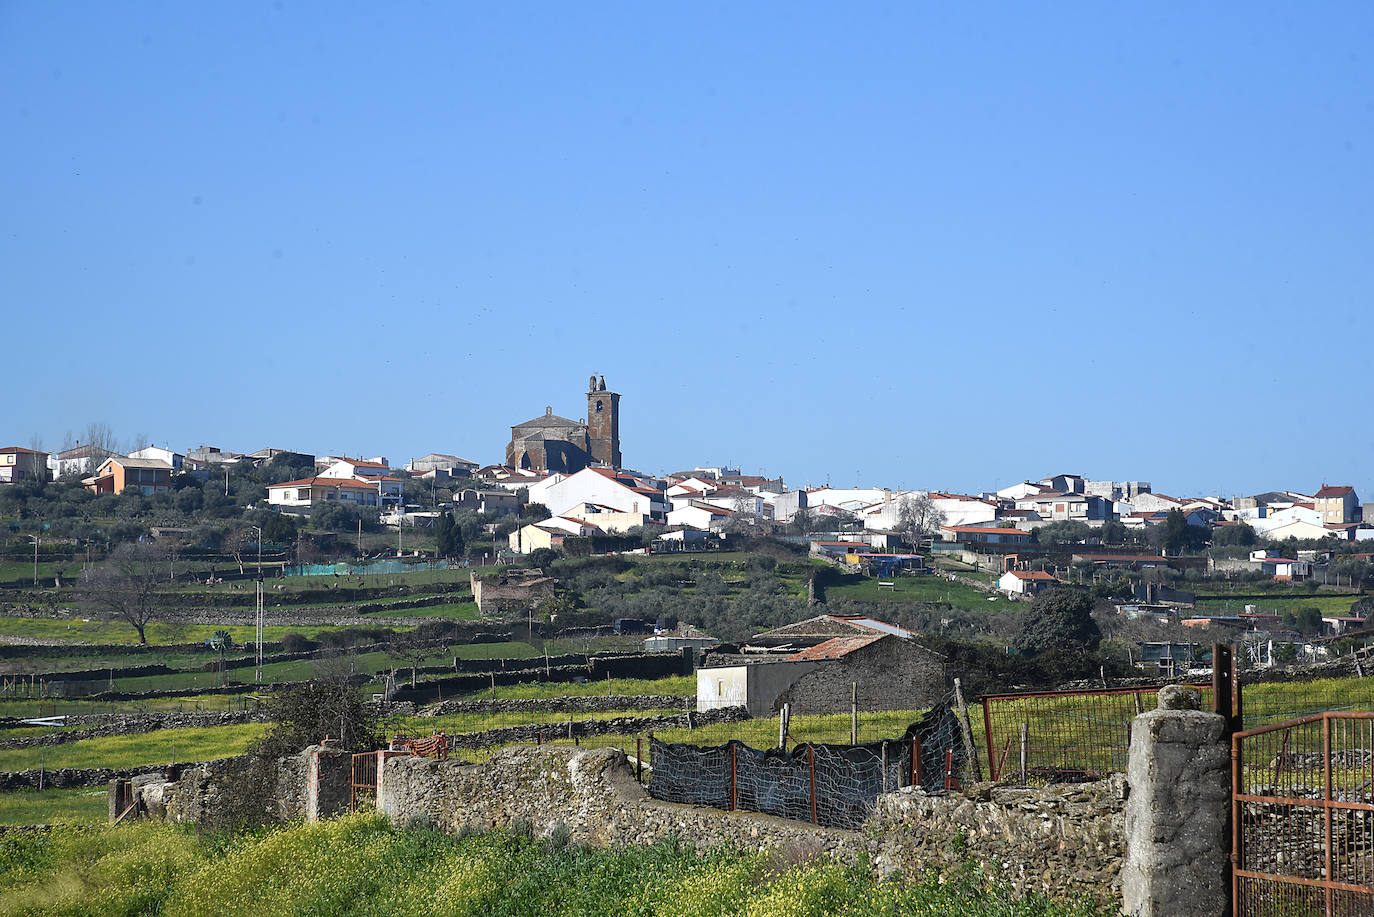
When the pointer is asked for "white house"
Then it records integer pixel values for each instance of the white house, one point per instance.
(618, 490)
(549, 533)
(700, 516)
(1018, 491)
(1025, 582)
(608, 519)
(295, 496)
(853, 499)
(389, 489)
(693, 486)
(77, 460)
(175, 459)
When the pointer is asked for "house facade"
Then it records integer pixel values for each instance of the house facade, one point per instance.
(77, 460)
(1337, 505)
(1075, 507)
(19, 464)
(299, 496)
(175, 459)
(149, 476)
(818, 664)
(1026, 582)
(620, 491)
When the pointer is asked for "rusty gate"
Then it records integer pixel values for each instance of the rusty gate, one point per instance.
(1302, 815)
(365, 776)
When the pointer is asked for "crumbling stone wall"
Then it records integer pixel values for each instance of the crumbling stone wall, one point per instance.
(231, 791)
(1065, 841)
(892, 674)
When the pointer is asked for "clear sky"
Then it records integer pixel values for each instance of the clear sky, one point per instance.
(928, 245)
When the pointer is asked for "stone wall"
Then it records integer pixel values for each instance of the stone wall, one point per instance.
(133, 724)
(1066, 841)
(891, 674)
(231, 791)
(72, 777)
(596, 704)
(621, 725)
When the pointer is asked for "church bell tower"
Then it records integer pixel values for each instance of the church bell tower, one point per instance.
(603, 423)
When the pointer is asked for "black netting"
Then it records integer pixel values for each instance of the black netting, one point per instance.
(831, 785)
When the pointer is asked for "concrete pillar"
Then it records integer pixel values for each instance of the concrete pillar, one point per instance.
(328, 782)
(1177, 848)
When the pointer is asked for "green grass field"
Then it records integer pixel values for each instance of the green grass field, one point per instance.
(117, 632)
(919, 589)
(362, 865)
(82, 806)
(675, 686)
(1276, 602)
(163, 746)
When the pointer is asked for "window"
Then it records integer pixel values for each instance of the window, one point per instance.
(598, 405)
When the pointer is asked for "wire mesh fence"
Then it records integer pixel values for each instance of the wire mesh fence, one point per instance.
(1063, 736)
(1044, 737)
(829, 784)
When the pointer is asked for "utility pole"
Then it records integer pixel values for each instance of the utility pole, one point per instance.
(258, 610)
(35, 560)
(360, 539)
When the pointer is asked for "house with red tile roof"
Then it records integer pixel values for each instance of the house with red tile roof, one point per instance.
(817, 666)
(301, 495)
(1337, 505)
(19, 464)
(1026, 582)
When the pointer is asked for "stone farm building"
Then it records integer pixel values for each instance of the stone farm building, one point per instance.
(814, 664)
(553, 443)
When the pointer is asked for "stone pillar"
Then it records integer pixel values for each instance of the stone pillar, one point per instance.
(118, 797)
(1177, 849)
(328, 782)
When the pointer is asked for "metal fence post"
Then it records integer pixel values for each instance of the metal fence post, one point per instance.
(993, 769)
(734, 777)
(1025, 749)
(811, 760)
(1326, 810)
(915, 770)
(854, 713)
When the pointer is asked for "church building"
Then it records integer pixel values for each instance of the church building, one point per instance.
(553, 443)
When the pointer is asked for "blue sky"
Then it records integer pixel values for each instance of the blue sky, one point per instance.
(910, 244)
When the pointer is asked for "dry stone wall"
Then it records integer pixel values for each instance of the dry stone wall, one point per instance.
(1065, 841)
(597, 704)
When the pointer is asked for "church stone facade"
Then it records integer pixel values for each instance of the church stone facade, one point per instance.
(553, 443)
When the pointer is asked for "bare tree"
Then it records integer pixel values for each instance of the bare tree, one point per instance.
(237, 541)
(129, 586)
(100, 437)
(918, 518)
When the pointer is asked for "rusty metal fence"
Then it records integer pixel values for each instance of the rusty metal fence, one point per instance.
(1048, 737)
(1303, 817)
